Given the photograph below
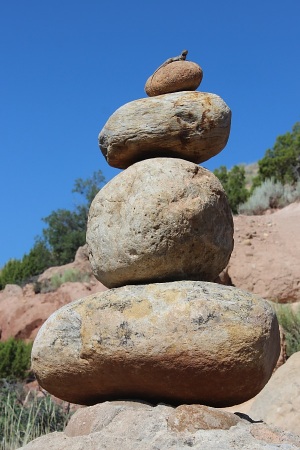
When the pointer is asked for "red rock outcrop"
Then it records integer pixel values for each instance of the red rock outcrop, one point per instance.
(22, 311)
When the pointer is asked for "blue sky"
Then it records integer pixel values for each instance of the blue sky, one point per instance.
(66, 66)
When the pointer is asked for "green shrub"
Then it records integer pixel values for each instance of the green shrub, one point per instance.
(66, 229)
(14, 359)
(234, 184)
(11, 273)
(20, 271)
(291, 193)
(26, 417)
(270, 194)
(290, 322)
(70, 275)
(282, 162)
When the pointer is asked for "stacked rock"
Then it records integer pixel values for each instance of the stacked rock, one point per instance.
(159, 233)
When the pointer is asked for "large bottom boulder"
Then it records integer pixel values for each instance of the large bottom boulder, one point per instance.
(278, 403)
(139, 426)
(177, 342)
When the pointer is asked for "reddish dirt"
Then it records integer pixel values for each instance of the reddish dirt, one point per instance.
(265, 259)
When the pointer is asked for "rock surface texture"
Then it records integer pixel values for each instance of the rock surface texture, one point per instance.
(178, 76)
(162, 219)
(177, 341)
(265, 259)
(279, 402)
(140, 426)
(180, 342)
(190, 125)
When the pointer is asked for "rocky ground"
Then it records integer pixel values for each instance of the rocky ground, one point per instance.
(265, 261)
(267, 422)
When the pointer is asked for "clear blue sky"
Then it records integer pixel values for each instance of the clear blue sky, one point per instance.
(66, 66)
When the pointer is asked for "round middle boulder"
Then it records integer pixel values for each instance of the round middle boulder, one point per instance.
(162, 219)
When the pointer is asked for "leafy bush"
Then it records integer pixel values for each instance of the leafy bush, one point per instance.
(14, 359)
(17, 271)
(282, 162)
(26, 417)
(11, 273)
(291, 193)
(290, 322)
(70, 275)
(270, 194)
(234, 184)
(66, 229)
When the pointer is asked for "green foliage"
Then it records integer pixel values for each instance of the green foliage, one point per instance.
(290, 322)
(234, 183)
(17, 271)
(67, 229)
(14, 359)
(38, 259)
(11, 273)
(25, 417)
(90, 187)
(70, 275)
(65, 232)
(282, 162)
(270, 194)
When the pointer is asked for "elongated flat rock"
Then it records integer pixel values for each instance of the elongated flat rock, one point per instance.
(190, 125)
(180, 342)
(163, 219)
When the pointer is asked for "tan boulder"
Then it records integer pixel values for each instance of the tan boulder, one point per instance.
(190, 125)
(279, 402)
(140, 426)
(162, 219)
(178, 76)
(180, 342)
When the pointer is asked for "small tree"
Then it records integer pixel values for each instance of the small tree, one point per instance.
(67, 229)
(282, 162)
(234, 183)
(64, 234)
(11, 273)
(38, 259)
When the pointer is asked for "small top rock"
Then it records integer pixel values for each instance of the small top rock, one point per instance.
(173, 77)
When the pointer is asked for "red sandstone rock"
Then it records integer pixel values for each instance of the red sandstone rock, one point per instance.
(22, 312)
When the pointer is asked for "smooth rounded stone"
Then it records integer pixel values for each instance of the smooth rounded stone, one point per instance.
(174, 77)
(190, 125)
(180, 342)
(162, 219)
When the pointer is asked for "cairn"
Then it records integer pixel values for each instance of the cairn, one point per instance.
(159, 234)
